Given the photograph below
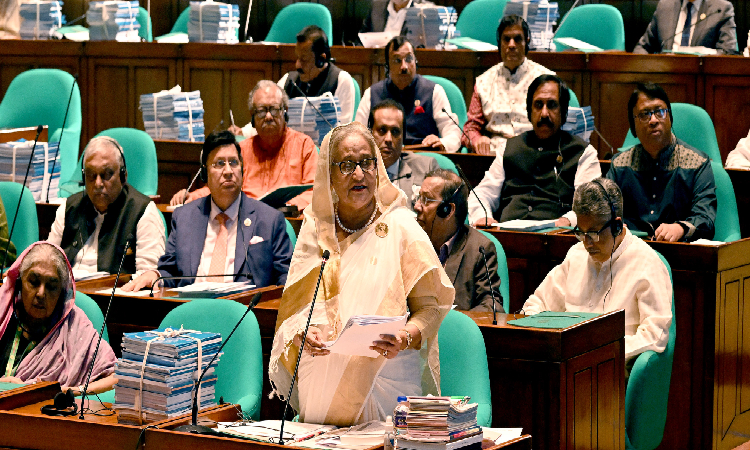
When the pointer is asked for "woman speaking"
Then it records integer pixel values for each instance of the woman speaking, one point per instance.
(381, 263)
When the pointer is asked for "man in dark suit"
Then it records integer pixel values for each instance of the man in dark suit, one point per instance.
(710, 24)
(442, 209)
(224, 233)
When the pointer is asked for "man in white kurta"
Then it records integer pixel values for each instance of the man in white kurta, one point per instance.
(614, 272)
(739, 158)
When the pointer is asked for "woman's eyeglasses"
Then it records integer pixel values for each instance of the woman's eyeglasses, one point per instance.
(348, 167)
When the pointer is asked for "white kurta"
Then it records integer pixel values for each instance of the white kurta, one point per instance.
(739, 158)
(640, 285)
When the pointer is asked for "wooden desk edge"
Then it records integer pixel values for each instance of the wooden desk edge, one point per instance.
(28, 394)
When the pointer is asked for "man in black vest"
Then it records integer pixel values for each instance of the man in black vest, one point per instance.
(93, 225)
(537, 174)
(422, 100)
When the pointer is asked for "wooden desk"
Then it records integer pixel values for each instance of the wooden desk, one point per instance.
(28, 133)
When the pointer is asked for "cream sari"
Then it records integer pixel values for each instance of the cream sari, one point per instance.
(388, 268)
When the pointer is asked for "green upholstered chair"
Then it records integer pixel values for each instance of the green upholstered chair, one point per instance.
(290, 231)
(443, 161)
(180, 26)
(240, 370)
(463, 363)
(573, 99)
(597, 24)
(146, 31)
(26, 231)
(40, 97)
(93, 312)
(293, 18)
(727, 224)
(479, 20)
(647, 392)
(455, 97)
(357, 97)
(502, 270)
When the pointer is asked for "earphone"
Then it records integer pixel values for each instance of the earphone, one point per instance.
(204, 168)
(123, 167)
(616, 224)
(444, 208)
(61, 404)
(320, 47)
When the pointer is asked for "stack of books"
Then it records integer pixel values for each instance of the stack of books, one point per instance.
(113, 21)
(40, 19)
(214, 22)
(173, 115)
(541, 15)
(304, 118)
(440, 423)
(14, 160)
(430, 26)
(169, 375)
(580, 122)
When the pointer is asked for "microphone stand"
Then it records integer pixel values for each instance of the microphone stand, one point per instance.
(466, 180)
(187, 277)
(187, 191)
(311, 103)
(62, 131)
(462, 130)
(492, 288)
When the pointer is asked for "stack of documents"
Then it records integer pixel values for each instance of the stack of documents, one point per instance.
(168, 377)
(267, 430)
(40, 19)
(113, 21)
(214, 22)
(213, 289)
(304, 118)
(580, 122)
(173, 115)
(435, 423)
(430, 26)
(14, 160)
(541, 15)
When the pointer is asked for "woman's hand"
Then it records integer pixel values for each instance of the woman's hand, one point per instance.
(314, 344)
(11, 380)
(390, 345)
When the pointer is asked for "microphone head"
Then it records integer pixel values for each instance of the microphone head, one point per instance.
(256, 298)
(39, 129)
(326, 254)
(481, 250)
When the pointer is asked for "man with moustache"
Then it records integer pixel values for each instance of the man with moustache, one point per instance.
(668, 186)
(406, 170)
(610, 269)
(537, 174)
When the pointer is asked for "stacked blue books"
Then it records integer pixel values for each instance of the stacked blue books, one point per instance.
(580, 122)
(430, 26)
(541, 15)
(113, 21)
(169, 374)
(304, 118)
(14, 159)
(40, 19)
(173, 115)
(214, 22)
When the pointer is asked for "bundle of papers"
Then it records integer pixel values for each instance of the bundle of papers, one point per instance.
(40, 19)
(271, 429)
(440, 423)
(14, 160)
(208, 289)
(361, 331)
(430, 26)
(173, 115)
(304, 118)
(580, 122)
(541, 15)
(113, 21)
(164, 386)
(214, 22)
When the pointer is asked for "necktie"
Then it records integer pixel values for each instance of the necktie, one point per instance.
(686, 29)
(219, 257)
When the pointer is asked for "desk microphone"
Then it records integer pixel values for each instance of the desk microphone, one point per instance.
(326, 255)
(407, 176)
(466, 180)
(549, 47)
(194, 427)
(311, 103)
(462, 130)
(62, 130)
(189, 277)
(104, 323)
(39, 129)
(492, 288)
(187, 191)
(693, 25)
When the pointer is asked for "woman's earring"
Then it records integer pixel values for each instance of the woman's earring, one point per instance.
(334, 196)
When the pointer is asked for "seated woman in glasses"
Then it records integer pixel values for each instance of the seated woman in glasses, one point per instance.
(610, 269)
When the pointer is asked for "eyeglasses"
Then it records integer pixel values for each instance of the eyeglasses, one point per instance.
(645, 116)
(262, 111)
(220, 164)
(348, 167)
(424, 200)
(593, 235)
(396, 61)
(106, 175)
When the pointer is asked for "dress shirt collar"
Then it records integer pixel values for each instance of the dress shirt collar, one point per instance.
(696, 7)
(393, 169)
(232, 212)
(447, 247)
(515, 76)
(392, 9)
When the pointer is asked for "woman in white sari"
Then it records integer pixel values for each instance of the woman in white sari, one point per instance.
(381, 263)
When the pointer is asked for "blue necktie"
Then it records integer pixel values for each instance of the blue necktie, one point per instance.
(686, 28)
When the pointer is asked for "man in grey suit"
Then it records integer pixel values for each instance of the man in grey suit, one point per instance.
(695, 23)
(406, 170)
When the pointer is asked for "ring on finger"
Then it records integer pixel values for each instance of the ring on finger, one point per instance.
(385, 352)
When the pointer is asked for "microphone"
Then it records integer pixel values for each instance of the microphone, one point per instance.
(326, 255)
(194, 427)
(187, 191)
(462, 130)
(693, 25)
(187, 277)
(39, 129)
(549, 47)
(407, 176)
(62, 130)
(492, 288)
(466, 180)
(311, 104)
(104, 323)
(247, 19)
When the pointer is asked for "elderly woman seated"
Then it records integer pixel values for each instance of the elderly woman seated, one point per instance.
(44, 336)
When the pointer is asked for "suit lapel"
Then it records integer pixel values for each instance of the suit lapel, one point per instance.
(246, 222)
(698, 29)
(456, 257)
(202, 219)
(405, 183)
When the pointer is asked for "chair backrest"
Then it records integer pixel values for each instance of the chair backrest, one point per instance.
(502, 270)
(181, 24)
(40, 97)
(290, 231)
(455, 97)
(573, 99)
(293, 18)
(146, 31)
(727, 224)
(240, 370)
(463, 363)
(597, 24)
(647, 392)
(93, 312)
(443, 161)
(26, 231)
(357, 97)
(479, 20)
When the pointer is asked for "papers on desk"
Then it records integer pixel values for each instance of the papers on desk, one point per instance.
(119, 291)
(279, 197)
(214, 22)
(375, 39)
(708, 242)
(213, 289)
(526, 225)
(40, 19)
(14, 162)
(270, 429)
(173, 115)
(315, 116)
(577, 44)
(580, 122)
(113, 21)
(81, 275)
(428, 26)
(500, 435)
(695, 50)
(472, 44)
(360, 332)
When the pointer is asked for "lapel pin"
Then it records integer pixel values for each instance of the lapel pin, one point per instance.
(248, 222)
(703, 16)
(417, 102)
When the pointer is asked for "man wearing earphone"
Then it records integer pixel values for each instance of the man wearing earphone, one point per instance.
(441, 209)
(610, 269)
(91, 226)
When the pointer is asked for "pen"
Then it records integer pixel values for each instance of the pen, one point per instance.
(309, 436)
(231, 116)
